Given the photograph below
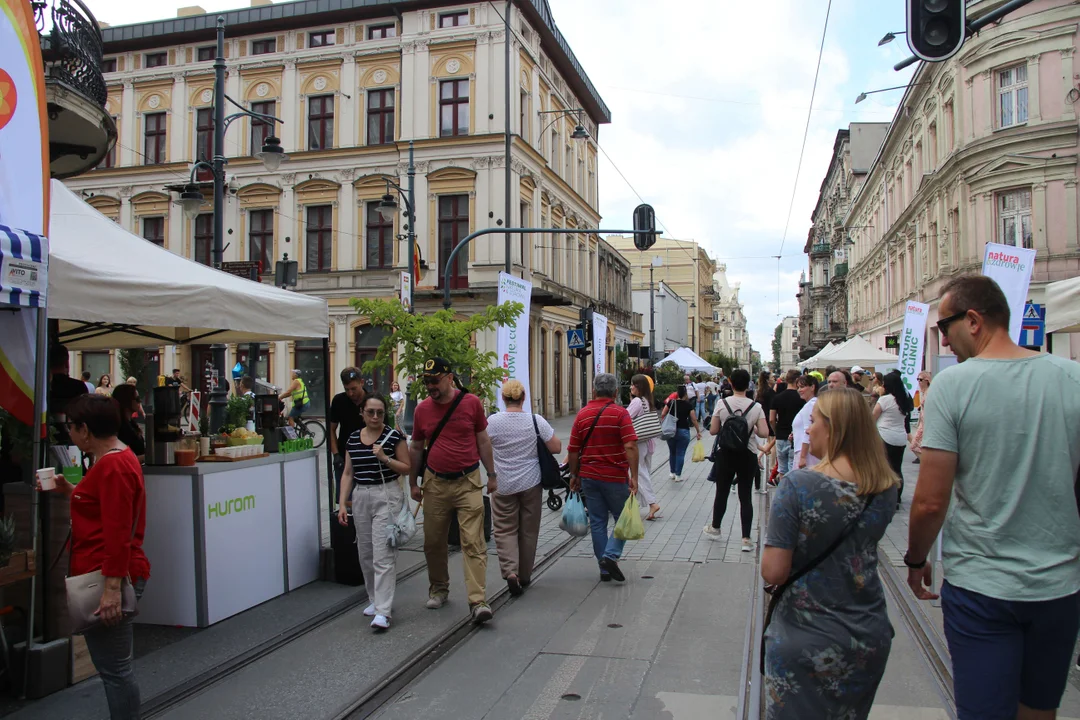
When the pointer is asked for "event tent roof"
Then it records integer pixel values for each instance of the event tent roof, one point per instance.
(112, 289)
(855, 351)
(822, 353)
(1063, 306)
(688, 360)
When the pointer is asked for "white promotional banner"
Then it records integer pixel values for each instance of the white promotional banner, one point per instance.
(513, 340)
(599, 340)
(406, 290)
(912, 344)
(1010, 267)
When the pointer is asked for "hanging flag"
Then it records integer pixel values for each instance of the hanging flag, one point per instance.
(416, 263)
(599, 342)
(406, 291)
(512, 341)
(911, 344)
(1010, 267)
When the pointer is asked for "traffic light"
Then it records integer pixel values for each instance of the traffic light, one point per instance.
(644, 227)
(936, 28)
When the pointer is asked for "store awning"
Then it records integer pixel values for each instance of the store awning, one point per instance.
(1063, 306)
(112, 289)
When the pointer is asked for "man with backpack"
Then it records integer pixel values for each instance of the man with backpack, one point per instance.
(734, 422)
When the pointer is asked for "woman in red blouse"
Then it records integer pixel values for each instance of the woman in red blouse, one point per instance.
(104, 505)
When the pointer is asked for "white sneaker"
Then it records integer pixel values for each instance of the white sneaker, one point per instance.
(381, 622)
(435, 602)
(747, 545)
(711, 532)
(678, 478)
(370, 610)
(673, 477)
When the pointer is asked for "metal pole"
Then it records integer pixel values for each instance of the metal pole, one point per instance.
(506, 214)
(584, 380)
(40, 391)
(218, 396)
(652, 315)
(410, 400)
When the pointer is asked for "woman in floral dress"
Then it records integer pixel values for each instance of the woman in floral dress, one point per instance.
(830, 635)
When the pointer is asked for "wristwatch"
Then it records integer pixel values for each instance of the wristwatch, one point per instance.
(913, 565)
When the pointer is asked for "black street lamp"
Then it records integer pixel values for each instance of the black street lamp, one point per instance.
(191, 199)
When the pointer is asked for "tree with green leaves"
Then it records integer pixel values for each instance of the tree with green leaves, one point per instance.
(777, 348)
(723, 361)
(133, 364)
(415, 338)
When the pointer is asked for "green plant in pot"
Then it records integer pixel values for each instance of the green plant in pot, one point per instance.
(237, 412)
(7, 539)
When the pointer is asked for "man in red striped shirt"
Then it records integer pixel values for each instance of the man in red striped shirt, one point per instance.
(603, 458)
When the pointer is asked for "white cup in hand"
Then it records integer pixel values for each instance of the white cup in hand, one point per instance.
(46, 479)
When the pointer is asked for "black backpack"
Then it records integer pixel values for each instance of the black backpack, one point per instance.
(734, 436)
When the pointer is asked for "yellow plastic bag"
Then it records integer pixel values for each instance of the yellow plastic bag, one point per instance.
(699, 452)
(629, 526)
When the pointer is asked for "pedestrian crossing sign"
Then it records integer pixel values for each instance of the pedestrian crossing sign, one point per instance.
(1033, 327)
(575, 338)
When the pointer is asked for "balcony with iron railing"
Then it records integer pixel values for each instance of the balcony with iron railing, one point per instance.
(81, 131)
(839, 272)
(820, 249)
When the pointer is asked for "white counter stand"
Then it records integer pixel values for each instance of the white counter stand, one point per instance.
(225, 537)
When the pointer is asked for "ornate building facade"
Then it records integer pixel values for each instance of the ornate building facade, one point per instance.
(729, 332)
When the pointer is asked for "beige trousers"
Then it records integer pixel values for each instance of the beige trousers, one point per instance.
(515, 521)
(464, 497)
(374, 508)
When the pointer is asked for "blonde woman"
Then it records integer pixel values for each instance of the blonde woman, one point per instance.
(829, 639)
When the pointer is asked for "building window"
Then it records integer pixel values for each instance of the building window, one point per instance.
(263, 47)
(523, 115)
(110, 157)
(525, 218)
(381, 32)
(108, 65)
(322, 38)
(320, 122)
(454, 19)
(261, 239)
(262, 363)
(154, 138)
(311, 362)
(204, 141)
(453, 226)
(320, 230)
(153, 229)
(1012, 96)
(158, 59)
(1014, 218)
(453, 107)
(367, 341)
(205, 53)
(261, 129)
(204, 238)
(380, 117)
(379, 239)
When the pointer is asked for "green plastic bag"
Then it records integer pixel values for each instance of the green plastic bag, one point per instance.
(629, 526)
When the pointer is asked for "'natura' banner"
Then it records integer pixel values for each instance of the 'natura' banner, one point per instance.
(1010, 267)
(513, 340)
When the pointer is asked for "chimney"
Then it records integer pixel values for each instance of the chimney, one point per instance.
(189, 11)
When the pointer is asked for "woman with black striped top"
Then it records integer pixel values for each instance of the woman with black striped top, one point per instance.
(376, 455)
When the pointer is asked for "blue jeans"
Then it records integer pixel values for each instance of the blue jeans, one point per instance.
(783, 456)
(113, 654)
(677, 450)
(604, 499)
(700, 409)
(1008, 652)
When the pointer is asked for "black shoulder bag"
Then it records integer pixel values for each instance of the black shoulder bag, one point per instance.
(439, 429)
(550, 475)
(779, 590)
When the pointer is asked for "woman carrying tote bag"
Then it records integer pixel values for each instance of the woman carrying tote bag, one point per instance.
(641, 406)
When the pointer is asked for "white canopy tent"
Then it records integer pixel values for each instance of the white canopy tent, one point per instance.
(1063, 306)
(112, 289)
(689, 361)
(855, 351)
(823, 352)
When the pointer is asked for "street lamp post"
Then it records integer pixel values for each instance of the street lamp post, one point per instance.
(191, 199)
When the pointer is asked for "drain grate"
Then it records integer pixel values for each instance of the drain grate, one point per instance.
(571, 696)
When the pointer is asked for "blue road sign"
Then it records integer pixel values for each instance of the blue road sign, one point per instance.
(575, 339)
(1033, 328)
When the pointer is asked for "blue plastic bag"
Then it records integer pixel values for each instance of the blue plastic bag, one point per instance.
(575, 520)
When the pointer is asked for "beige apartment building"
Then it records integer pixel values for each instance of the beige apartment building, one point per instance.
(688, 270)
(352, 87)
(729, 320)
(983, 148)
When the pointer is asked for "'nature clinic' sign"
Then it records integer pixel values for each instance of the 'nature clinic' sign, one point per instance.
(912, 342)
(1010, 267)
(512, 341)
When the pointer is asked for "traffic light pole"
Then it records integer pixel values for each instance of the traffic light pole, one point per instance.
(974, 26)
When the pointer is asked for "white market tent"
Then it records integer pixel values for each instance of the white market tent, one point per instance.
(1063, 306)
(112, 289)
(822, 353)
(856, 351)
(689, 361)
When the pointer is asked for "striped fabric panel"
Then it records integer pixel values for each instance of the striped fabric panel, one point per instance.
(22, 245)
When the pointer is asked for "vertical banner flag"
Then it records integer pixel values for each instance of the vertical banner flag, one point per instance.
(406, 291)
(1010, 267)
(912, 344)
(513, 340)
(599, 342)
(24, 210)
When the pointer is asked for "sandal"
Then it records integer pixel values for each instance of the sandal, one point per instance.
(653, 514)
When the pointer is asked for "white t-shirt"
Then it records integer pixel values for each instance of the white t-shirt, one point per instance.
(513, 443)
(739, 404)
(699, 388)
(691, 390)
(890, 422)
(798, 431)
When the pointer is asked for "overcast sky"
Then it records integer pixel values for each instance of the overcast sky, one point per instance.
(709, 106)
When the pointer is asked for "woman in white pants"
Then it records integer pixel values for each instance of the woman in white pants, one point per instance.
(642, 402)
(370, 481)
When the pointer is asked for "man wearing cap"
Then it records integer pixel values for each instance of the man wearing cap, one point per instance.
(860, 377)
(346, 416)
(450, 468)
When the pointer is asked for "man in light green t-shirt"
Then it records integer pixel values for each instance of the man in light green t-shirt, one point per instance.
(1001, 447)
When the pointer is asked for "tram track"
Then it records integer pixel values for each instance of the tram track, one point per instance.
(751, 684)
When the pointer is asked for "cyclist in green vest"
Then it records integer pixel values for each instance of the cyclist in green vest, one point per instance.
(298, 392)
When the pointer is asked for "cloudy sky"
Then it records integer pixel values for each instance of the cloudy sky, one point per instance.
(709, 102)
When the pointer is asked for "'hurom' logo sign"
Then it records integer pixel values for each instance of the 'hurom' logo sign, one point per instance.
(229, 507)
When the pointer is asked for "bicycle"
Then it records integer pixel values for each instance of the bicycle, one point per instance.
(313, 429)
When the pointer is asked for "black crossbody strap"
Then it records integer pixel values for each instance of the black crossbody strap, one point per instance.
(585, 440)
(440, 426)
(781, 589)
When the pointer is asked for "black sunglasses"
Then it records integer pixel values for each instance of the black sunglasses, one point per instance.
(944, 323)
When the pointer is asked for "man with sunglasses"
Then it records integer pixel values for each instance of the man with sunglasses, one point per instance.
(450, 468)
(1002, 433)
(346, 416)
